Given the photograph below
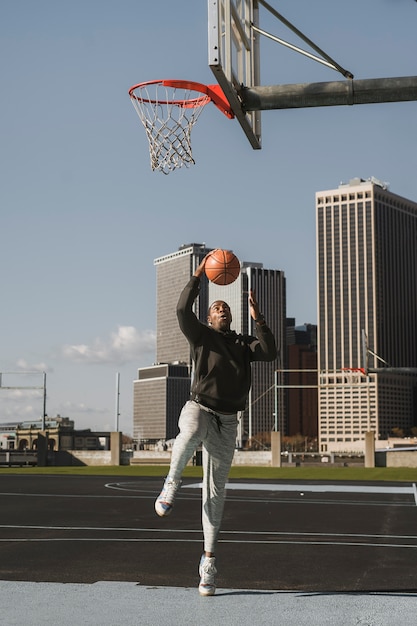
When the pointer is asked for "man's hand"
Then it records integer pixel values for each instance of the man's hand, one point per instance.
(200, 269)
(254, 306)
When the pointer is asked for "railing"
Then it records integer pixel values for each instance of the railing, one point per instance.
(9, 458)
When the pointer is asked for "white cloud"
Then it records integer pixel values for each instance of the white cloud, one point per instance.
(123, 346)
(23, 366)
(70, 408)
(20, 404)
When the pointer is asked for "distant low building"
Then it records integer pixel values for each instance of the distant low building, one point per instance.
(27, 432)
(8, 435)
(61, 435)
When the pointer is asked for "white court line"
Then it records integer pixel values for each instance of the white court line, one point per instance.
(103, 529)
(181, 540)
(314, 488)
(302, 488)
(278, 533)
(67, 495)
(277, 537)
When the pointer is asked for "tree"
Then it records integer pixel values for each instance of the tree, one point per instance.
(398, 432)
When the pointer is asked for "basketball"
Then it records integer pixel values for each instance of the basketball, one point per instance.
(222, 267)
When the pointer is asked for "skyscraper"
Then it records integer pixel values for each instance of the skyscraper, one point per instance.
(367, 311)
(173, 271)
(159, 394)
(160, 391)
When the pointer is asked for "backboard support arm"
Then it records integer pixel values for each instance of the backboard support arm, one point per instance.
(336, 93)
(308, 41)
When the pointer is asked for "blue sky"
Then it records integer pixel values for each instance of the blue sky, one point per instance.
(83, 216)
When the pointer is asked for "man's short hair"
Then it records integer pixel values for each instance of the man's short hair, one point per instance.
(214, 302)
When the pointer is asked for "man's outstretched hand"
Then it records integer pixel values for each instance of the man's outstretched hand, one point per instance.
(254, 306)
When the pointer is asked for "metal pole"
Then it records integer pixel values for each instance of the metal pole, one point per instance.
(364, 352)
(117, 400)
(44, 401)
(276, 401)
(335, 93)
(392, 370)
(308, 41)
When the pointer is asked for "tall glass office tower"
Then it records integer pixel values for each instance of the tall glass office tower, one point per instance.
(367, 311)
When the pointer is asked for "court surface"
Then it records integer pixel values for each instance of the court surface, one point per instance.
(312, 552)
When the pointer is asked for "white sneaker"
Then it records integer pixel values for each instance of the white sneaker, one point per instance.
(165, 501)
(207, 571)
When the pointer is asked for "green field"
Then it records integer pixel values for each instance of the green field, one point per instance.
(403, 474)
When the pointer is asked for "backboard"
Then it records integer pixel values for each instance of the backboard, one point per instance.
(234, 56)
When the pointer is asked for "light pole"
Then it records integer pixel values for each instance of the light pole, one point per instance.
(117, 400)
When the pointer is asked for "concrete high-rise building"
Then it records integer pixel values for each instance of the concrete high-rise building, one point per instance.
(173, 271)
(159, 395)
(367, 311)
(266, 411)
(160, 391)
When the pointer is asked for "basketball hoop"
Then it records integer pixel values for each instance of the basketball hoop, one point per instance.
(168, 109)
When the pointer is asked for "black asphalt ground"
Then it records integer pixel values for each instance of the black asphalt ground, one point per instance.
(312, 537)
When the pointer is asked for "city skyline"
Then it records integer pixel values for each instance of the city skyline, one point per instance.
(83, 215)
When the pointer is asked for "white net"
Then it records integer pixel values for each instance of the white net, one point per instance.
(168, 115)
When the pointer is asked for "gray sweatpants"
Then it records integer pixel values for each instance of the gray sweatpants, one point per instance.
(218, 436)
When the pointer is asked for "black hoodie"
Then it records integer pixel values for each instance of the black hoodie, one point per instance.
(222, 372)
